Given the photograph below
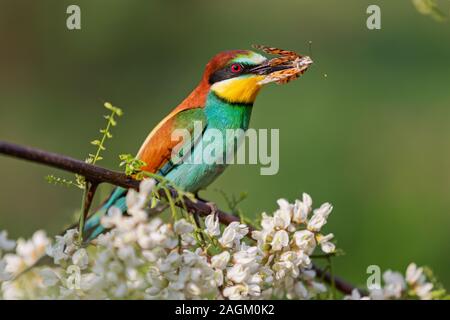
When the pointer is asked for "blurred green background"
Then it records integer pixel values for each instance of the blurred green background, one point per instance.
(372, 137)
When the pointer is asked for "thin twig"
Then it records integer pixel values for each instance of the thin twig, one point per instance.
(88, 196)
(98, 175)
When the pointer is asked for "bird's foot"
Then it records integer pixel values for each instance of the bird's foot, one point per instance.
(213, 207)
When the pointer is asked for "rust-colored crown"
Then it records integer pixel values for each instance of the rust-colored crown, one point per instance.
(197, 98)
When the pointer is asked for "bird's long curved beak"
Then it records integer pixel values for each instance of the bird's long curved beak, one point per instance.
(265, 69)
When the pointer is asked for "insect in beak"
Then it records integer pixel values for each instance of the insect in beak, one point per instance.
(288, 66)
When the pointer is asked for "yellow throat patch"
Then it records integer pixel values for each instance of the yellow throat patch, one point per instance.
(238, 90)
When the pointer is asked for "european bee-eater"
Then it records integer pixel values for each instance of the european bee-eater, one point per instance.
(222, 100)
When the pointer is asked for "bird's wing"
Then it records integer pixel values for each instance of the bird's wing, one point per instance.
(157, 149)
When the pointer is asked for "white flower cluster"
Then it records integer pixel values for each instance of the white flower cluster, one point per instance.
(6, 245)
(286, 242)
(413, 285)
(145, 258)
(27, 252)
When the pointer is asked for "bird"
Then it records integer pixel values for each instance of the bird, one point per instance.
(223, 99)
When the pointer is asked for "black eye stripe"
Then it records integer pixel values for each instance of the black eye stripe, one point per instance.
(226, 73)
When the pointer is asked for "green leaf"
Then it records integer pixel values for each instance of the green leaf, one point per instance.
(114, 109)
(95, 142)
(431, 8)
(108, 105)
(119, 112)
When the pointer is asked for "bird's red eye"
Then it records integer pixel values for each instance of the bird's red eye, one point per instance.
(236, 67)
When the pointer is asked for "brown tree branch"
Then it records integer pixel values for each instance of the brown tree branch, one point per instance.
(97, 175)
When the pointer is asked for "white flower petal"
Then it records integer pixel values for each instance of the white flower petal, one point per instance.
(182, 227)
(5, 243)
(212, 225)
(80, 258)
(280, 240)
(221, 260)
